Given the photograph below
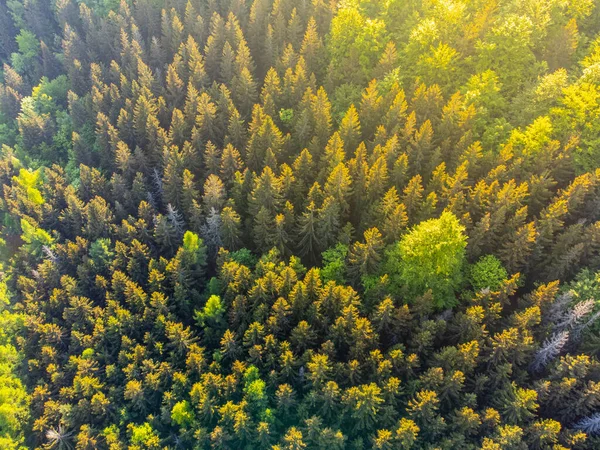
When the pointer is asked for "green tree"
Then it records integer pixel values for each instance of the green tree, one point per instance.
(144, 436)
(508, 51)
(334, 264)
(354, 39)
(307, 232)
(430, 257)
(230, 228)
(14, 401)
(364, 257)
(211, 319)
(182, 414)
(25, 61)
(488, 272)
(363, 403)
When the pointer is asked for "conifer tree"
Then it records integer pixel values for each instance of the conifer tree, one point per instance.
(339, 187)
(281, 224)
(307, 232)
(364, 257)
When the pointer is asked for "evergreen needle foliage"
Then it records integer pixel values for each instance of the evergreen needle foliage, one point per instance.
(285, 225)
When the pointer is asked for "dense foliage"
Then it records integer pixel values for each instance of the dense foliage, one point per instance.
(273, 224)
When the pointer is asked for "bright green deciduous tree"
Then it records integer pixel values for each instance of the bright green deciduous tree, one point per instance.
(35, 238)
(355, 39)
(144, 436)
(488, 272)
(30, 181)
(430, 257)
(29, 49)
(182, 414)
(334, 264)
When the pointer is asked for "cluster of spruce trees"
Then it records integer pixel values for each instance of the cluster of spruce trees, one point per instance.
(286, 225)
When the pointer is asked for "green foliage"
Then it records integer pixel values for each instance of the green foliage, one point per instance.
(45, 126)
(487, 273)
(254, 388)
(578, 110)
(144, 436)
(13, 397)
(334, 264)
(191, 243)
(102, 7)
(30, 182)
(35, 238)
(483, 91)
(101, 253)
(355, 39)
(29, 48)
(182, 414)
(212, 312)
(244, 257)
(286, 116)
(49, 95)
(586, 285)
(430, 257)
(235, 225)
(194, 251)
(212, 319)
(14, 400)
(508, 51)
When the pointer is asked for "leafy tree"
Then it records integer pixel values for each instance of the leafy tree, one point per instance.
(430, 257)
(36, 239)
(334, 264)
(354, 38)
(509, 52)
(143, 436)
(488, 272)
(26, 58)
(182, 414)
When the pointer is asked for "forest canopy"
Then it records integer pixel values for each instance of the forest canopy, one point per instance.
(284, 225)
